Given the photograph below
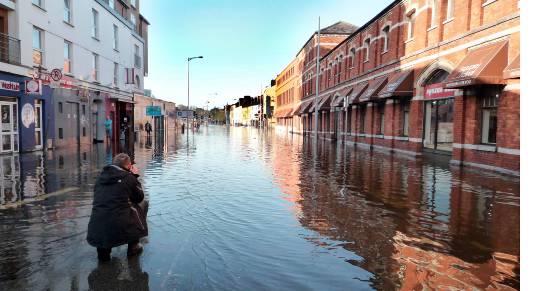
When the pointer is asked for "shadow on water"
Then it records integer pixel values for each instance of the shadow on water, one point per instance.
(119, 275)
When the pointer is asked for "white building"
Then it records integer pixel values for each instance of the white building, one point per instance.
(99, 45)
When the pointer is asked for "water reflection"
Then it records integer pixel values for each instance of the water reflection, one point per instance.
(415, 223)
(242, 209)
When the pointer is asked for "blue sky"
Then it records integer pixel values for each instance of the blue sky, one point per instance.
(245, 44)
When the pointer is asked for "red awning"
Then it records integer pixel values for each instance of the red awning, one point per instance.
(357, 91)
(400, 84)
(483, 65)
(324, 104)
(339, 101)
(513, 70)
(282, 113)
(305, 106)
(374, 87)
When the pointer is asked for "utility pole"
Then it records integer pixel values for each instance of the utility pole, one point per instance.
(317, 78)
(188, 92)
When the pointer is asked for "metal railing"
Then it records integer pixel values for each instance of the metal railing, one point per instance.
(10, 49)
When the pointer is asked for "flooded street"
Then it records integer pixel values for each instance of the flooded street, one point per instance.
(246, 209)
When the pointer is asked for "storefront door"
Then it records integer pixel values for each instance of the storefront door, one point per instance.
(9, 138)
(438, 130)
(38, 125)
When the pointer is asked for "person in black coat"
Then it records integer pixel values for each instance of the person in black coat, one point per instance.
(119, 213)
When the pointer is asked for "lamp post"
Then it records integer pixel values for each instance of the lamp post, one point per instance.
(188, 90)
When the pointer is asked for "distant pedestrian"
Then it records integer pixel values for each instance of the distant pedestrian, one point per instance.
(108, 128)
(119, 213)
(148, 128)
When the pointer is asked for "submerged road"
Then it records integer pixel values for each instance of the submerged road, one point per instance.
(246, 209)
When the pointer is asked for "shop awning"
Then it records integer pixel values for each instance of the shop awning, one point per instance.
(357, 91)
(282, 113)
(297, 109)
(289, 113)
(374, 87)
(305, 107)
(324, 104)
(513, 69)
(483, 65)
(339, 101)
(400, 84)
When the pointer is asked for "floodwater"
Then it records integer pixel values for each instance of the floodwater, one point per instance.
(243, 209)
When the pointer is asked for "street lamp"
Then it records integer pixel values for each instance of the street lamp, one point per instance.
(188, 90)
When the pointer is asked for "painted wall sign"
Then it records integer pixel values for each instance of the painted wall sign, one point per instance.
(27, 115)
(10, 86)
(437, 91)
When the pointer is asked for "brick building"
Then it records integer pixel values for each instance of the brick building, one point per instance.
(419, 78)
(297, 79)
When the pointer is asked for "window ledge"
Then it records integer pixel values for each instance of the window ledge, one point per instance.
(69, 24)
(432, 28)
(39, 7)
(366, 61)
(486, 147)
(384, 52)
(69, 74)
(95, 38)
(488, 2)
(448, 20)
(116, 50)
(409, 40)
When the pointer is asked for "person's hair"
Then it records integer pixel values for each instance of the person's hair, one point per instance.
(121, 160)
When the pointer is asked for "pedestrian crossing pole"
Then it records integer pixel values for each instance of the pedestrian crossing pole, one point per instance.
(317, 78)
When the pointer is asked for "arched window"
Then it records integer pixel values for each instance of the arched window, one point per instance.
(386, 34)
(352, 56)
(367, 43)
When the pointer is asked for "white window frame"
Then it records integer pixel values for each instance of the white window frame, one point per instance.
(68, 11)
(450, 9)
(353, 56)
(116, 38)
(116, 74)
(39, 49)
(95, 65)
(367, 45)
(40, 4)
(95, 24)
(69, 57)
(112, 4)
(434, 11)
(136, 56)
(386, 34)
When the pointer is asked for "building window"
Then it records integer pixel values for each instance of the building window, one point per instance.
(137, 58)
(133, 3)
(60, 107)
(433, 5)
(367, 43)
(411, 20)
(116, 74)
(38, 3)
(489, 121)
(83, 109)
(95, 64)
(37, 43)
(363, 110)
(450, 7)
(111, 4)
(133, 20)
(84, 131)
(95, 24)
(67, 56)
(406, 118)
(116, 37)
(353, 55)
(137, 82)
(386, 33)
(67, 11)
(60, 133)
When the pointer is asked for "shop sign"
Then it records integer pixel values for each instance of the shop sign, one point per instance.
(153, 111)
(9, 86)
(437, 91)
(33, 87)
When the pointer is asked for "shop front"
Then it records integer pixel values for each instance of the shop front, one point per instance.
(25, 116)
(120, 109)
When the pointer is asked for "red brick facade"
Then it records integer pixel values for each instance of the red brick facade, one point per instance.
(476, 121)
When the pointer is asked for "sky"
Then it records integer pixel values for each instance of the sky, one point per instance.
(244, 43)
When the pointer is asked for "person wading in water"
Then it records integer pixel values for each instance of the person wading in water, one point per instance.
(119, 213)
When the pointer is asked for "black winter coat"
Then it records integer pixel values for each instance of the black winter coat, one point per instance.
(116, 218)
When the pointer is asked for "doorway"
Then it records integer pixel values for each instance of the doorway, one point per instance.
(38, 124)
(9, 135)
(438, 131)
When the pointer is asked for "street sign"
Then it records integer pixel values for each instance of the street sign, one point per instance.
(33, 87)
(153, 111)
(56, 75)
